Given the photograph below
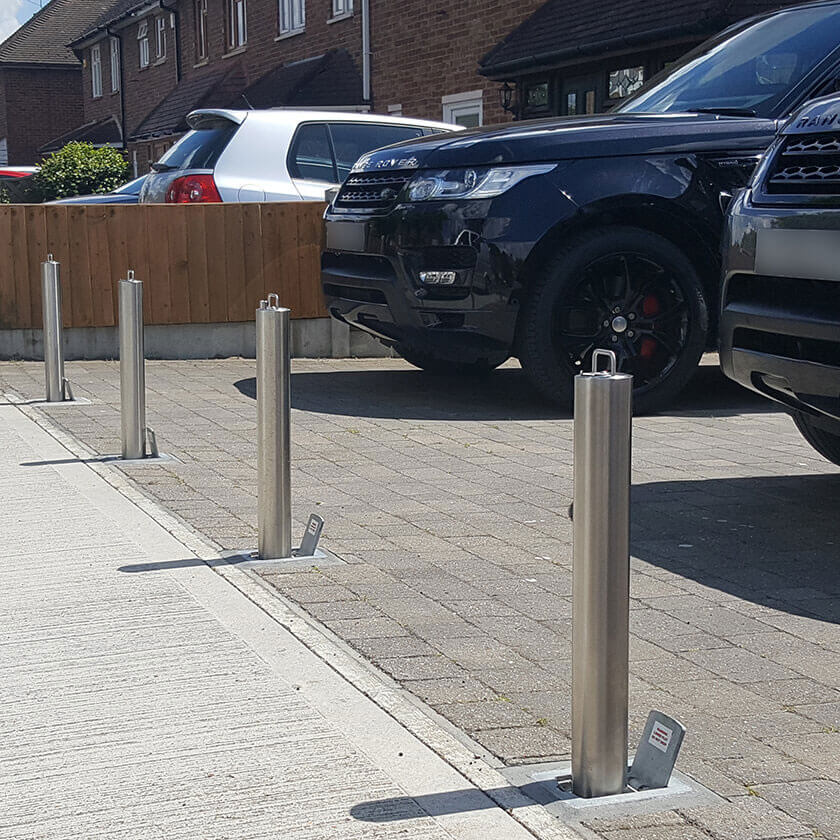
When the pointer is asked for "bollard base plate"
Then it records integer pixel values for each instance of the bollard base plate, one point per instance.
(251, 560)
(550, 785)
(118, 460)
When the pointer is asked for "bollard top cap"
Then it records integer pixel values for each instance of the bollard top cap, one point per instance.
(273, 303)
(598, 356)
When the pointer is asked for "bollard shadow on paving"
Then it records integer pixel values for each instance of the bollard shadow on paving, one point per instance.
(771, 540)
(504, 394)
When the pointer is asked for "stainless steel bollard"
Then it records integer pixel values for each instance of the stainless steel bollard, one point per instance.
(53, 335)
(274, 516)
(601, 580)
(132, 369)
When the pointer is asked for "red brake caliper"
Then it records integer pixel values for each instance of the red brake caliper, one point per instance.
(650, 308)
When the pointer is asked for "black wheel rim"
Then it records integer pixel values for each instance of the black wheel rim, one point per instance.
(628, 303)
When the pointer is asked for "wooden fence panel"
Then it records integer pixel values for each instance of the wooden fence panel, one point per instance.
(199, 264)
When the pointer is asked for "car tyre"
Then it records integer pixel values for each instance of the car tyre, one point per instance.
(609, 279)
(817, 434)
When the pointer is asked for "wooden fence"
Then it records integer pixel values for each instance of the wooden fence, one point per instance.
(208, 263)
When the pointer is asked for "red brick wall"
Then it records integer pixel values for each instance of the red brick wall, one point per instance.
(424, 51)
(39, 106)
(263, 52)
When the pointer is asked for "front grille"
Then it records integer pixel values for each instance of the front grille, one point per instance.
(375, 192)
(808, 165)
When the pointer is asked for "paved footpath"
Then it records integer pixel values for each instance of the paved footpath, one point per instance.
(143, 695)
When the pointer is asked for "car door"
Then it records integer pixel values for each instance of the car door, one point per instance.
(310, 161)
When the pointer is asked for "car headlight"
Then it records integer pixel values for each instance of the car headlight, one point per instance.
(484, 182)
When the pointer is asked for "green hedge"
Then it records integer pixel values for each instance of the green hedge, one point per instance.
(79, 169)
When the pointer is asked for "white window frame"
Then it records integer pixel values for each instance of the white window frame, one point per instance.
(160, 38)
(291, 16)
(462, 104)
(237, 24)
(115, 65)
(341, 9)
(96, 71)
(143, 43)
(201, 30)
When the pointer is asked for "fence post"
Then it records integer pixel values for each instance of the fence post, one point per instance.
(132, 369)
(274, 515)
(53, 333)
(601, 579)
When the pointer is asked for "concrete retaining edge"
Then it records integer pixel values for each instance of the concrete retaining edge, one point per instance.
(312, 338)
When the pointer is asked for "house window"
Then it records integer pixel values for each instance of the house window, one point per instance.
(96, 71)
(115, 65)
(160, 40)
(143, 43)
(464, 109)
(342, 7)
(624, 82)
(201, 29)
(292, 16)
(237, 24)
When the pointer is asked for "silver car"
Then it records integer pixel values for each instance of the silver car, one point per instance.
(275, 155)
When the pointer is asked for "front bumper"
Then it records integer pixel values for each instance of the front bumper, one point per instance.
(371, 270)
(780, 335)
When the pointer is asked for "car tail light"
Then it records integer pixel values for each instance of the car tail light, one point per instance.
(193, 189)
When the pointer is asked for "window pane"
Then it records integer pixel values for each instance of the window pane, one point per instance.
(200, 149)
(310, 157)
(353, 141)
(536, 96)
(467, 119)
(571, 103)
(626, 81)
(590, 102)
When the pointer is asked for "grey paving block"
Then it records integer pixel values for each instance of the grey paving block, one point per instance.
(812, 803)
(518, 744)
(450, 690)
(747, 817)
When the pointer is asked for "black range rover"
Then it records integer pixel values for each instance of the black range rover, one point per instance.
(780, 302)
(547, 239)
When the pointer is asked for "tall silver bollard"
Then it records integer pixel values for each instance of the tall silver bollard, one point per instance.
(53, 335)
(274, 516)
(601, 580)
(132, 369)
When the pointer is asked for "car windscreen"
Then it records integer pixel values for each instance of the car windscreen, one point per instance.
(200, 149)
(750, 69)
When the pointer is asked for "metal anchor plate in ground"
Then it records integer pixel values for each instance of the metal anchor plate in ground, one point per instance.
(550, 786)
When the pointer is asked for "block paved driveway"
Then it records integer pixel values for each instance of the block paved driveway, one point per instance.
(448, 500)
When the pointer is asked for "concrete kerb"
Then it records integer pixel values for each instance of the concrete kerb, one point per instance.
(472, 762)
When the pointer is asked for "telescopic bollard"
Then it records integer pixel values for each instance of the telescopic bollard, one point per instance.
(53, 335)
(274, 515)
(601, 579)
(132, 369)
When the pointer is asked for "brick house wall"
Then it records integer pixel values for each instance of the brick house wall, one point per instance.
(425, 51)
(38, 105)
